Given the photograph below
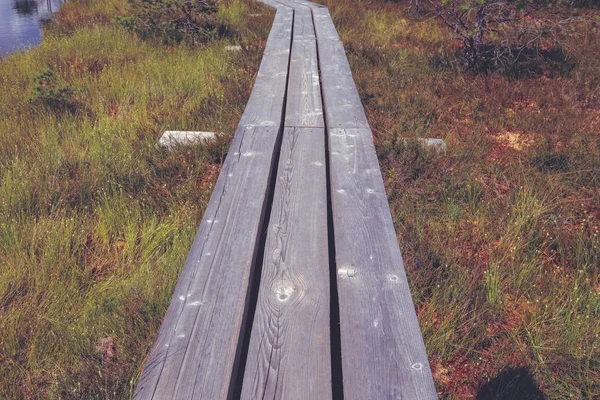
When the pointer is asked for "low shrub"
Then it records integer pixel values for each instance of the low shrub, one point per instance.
(174, 21)
(50, 90)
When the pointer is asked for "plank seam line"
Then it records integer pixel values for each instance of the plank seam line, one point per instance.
(239, 370)
(335, 338)
(303, 126)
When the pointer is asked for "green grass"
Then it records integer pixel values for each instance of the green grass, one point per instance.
(500, 234)
(95, 219)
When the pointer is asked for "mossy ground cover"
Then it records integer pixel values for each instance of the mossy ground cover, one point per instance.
(95, 219)
(500, 234)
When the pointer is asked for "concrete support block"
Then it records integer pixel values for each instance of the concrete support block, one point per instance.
(170, 139)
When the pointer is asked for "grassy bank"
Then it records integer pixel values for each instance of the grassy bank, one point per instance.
(500, 234)
(95, 220)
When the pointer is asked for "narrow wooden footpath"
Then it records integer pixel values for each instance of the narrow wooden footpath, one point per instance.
(294, 287)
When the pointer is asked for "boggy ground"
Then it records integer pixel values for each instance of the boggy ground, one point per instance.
(95, 219)
(500, 234)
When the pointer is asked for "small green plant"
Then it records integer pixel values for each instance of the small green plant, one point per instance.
(174, 21)
(492, 284)
(50, 90)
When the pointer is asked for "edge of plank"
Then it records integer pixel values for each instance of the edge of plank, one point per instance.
(383, 353)
(256, 141)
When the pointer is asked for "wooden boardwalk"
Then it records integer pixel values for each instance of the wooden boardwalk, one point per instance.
(294, 287)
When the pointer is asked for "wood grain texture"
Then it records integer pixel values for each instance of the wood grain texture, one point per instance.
(383, 355)
(303, 22)
(289, 354)
(343, 108)
(304, 104)
(196, 351)
(264, 107)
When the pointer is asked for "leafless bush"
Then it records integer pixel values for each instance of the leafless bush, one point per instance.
(497, 34)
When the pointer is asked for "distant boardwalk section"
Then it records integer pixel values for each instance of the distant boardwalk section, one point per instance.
(294, 287)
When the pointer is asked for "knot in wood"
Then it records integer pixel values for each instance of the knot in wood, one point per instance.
(284, 290)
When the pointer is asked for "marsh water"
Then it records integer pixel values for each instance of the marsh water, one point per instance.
(21, 22)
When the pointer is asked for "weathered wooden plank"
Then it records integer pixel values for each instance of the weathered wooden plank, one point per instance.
(383, 355)
(264, 107)
(197, 349)
(274, 3)
(304, 104)
(289, 354)
(305, 3)
(343, 108)
(303, 23)
(197, 346)
(310, 4)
